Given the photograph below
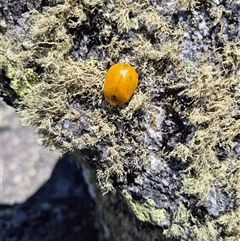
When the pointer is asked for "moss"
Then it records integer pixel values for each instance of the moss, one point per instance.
(187, 4)
(182, 216)
(230, 226)
(192, 79)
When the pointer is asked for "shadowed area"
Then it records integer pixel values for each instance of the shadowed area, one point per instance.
(60, 210)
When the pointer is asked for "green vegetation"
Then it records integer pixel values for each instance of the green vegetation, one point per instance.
(69, 90)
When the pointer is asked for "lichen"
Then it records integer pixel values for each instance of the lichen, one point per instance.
(180, 129)
(147, 212)
(22, 81)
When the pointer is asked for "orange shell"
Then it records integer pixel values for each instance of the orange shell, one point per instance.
(120, 83)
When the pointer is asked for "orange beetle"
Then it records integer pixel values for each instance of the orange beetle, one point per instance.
(120, 83)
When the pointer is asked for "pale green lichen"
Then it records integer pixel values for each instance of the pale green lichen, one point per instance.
(12, 56)
(22, 81)
(212, 82)
(138, 180)
(146, 212)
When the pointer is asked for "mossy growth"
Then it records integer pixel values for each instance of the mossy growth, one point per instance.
(183, 116)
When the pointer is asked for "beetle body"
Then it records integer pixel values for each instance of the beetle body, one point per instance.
(120, 83)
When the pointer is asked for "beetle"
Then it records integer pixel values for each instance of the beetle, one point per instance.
(120, 83)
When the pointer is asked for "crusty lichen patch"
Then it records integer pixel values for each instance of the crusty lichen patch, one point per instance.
(147, 212)
(22, 78)
(181, 125)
